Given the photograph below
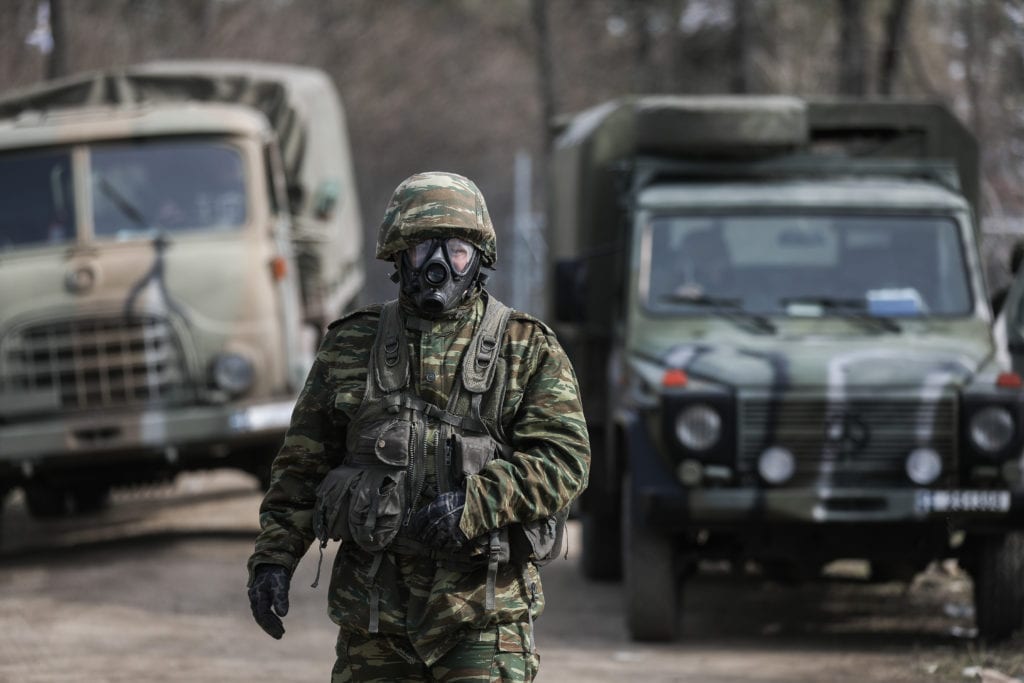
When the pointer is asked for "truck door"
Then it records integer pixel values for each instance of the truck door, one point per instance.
(1011, 313)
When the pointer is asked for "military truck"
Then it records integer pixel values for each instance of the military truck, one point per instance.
(173, 237)
(779, 319)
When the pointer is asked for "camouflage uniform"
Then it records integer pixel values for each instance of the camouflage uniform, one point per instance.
(432, 621)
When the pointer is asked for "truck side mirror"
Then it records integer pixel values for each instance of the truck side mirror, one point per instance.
(1016, 256)
(296, 196)
(570, 282)
(325, 199)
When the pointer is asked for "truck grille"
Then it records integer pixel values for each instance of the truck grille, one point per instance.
(98, 362)
(857, 442)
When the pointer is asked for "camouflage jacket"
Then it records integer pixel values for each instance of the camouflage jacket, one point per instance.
(542, 420)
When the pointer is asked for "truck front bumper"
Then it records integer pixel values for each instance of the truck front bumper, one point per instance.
(684, 509)
(78, 437)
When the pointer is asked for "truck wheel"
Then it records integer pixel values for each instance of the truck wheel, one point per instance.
(45, 502)
(91, 498)
(651, 581)
(998, 591)
(601, 558)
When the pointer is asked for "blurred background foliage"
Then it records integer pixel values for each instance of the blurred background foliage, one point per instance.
(463, 85)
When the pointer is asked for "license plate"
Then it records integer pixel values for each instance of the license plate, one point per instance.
(963, 501)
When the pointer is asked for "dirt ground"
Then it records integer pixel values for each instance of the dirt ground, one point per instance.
(153, 589)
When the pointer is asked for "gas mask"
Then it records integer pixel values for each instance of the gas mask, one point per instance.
(438, 273)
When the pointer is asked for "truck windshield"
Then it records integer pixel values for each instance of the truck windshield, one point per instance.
(884, 266)
(36, 201)
(166, 185)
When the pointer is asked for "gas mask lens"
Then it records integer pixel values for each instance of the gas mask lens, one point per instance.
(458, 253)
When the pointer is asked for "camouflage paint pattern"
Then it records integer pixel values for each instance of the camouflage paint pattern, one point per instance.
(427, 205)
(543, 422)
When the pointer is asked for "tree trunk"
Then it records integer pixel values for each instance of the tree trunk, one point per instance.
(852, 79)
(545, 77)
(57, 64)
(740, 49)
(895, 35)
(644, 76)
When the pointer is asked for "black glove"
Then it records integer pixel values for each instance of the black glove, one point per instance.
(437, 523)
(269, 588)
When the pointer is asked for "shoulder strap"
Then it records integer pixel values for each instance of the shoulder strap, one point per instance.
(390, 352)
(478, 364)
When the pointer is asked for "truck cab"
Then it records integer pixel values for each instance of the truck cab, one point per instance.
(159, 299)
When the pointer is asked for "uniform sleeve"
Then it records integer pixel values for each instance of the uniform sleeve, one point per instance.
(309, 450)
(315, 440)
(551, 459)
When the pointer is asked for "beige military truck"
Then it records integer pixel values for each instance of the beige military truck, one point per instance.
(782, 330)
(173, 238)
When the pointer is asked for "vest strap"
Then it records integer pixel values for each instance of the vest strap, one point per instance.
(492, 570)
(395, 402)
(478, 366)
(371, 575)
(391, 360)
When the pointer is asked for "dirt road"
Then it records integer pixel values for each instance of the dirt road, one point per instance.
(153, 589)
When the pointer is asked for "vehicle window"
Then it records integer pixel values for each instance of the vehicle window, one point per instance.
(901, 266)
(169, 185)
(36, 200)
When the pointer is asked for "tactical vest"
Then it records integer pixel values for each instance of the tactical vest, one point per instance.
(368, 499)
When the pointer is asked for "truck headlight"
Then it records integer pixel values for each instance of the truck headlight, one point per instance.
(232, 372)
(776, 465)
(698, 427)
(923, 466)
(991, 429)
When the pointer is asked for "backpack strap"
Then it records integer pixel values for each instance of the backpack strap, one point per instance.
(478, 364)
(390, 352)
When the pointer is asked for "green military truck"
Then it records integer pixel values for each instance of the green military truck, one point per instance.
(173, 238)
(779, 319)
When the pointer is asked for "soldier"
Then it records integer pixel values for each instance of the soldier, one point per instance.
(441, 438)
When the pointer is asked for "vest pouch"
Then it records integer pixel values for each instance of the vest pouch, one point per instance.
(386, 443)
(471, 454)
(333, 499)
(376, 507)
(539, 541)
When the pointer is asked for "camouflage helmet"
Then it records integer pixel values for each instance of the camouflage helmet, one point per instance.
(436, 204)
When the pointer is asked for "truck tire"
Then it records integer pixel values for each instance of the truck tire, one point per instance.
(601, 557)
(998, 588)
(91, 497)
(45, 501)
(652, 584)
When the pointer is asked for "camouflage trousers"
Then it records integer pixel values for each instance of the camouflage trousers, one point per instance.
(500, 654)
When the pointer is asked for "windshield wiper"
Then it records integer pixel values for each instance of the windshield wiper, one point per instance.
(854, 309)
(730, 309)
(124, 205)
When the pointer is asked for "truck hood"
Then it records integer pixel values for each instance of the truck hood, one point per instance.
(205, 281)
(911, 360)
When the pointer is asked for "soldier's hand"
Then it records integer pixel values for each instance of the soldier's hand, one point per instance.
(269, 594)
(437, 523)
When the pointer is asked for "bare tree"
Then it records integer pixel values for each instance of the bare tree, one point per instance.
(895, 34)
(740, 49)
(545, 77)
(638, 13)
(57, 64)
(852, 75)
